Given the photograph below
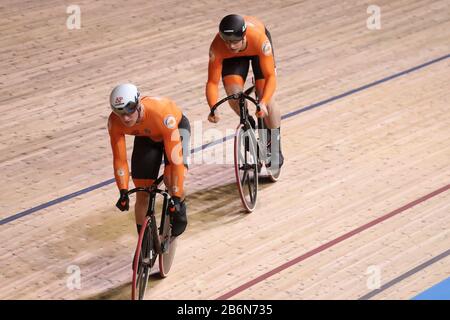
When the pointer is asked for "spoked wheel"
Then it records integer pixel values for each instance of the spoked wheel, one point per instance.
(168, 248)
(144, 259)
(246, 167)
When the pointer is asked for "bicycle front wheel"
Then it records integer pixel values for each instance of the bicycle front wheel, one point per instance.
(246, 167)
(144, 259)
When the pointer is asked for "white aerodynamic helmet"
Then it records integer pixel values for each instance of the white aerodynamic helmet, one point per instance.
(124, 98)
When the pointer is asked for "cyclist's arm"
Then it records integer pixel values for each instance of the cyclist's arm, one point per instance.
(214, 73)
(268, 69)
(174, 153)
(119, 151)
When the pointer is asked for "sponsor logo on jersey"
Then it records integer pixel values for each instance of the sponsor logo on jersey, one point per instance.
(267, 48)
(211, 55)
(170, 121)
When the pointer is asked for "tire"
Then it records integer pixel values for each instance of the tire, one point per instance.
(246, 168)
(273, 176)
(167, 257)
(141, 271)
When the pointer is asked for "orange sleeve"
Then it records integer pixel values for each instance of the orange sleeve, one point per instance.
(119, 151)
(214, 73)
(174, 152)
(268, 69)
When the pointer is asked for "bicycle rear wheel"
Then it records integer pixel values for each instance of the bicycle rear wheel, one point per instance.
(246, 167)
(272, 168)
(144, 260)
(168, 248)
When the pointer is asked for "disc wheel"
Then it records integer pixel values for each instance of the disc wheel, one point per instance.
(168, 248)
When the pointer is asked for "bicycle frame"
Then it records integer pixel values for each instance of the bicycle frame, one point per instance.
(153, 190)
(244, 116)
(157, 244)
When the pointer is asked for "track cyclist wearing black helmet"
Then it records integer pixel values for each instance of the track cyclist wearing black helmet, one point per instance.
(241, 40)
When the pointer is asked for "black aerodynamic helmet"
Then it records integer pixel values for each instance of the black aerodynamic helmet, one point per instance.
(232, 27)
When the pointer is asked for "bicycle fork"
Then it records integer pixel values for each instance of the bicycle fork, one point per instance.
(153, 229)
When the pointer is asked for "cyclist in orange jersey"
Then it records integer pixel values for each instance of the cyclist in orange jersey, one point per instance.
(242, 39)
(160, 128)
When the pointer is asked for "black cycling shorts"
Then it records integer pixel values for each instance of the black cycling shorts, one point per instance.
(147, 154)
(240, 65)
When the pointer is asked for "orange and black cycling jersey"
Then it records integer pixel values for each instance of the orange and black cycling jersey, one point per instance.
(257, 45)
(159, 121)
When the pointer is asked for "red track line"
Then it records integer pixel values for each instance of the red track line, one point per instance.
(330, 244)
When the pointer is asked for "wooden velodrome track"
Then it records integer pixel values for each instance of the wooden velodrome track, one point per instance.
(371, 141)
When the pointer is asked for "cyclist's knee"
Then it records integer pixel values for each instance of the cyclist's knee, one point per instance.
(274, 118)
(233, 83)
(234, 105)
(141, 198)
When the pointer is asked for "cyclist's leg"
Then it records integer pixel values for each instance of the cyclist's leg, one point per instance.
(145, 162)
(234, 73)
(273, 119)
